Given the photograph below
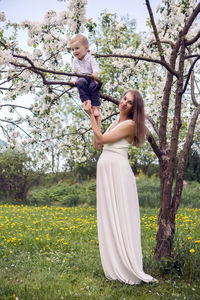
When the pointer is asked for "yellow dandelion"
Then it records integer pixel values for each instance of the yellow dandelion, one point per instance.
(197, 242)
(189, 238)
(192, 250)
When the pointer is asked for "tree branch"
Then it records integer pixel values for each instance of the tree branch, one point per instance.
(78, 131)
(51, 82)
(160, 49)
(188, 75)
(148, 59)
(13, 105)
(193, 87)
(13, 123)
(6, 89)
(109, 98)
(181, 163)
(190, 20)
(4, 45)
(15, 76)
(5, 132)
(197, 85)
(167, 42)
(153, 143)
(46, 70)
(164, 42)
(193, 40)
(153, 124)
(191, 56)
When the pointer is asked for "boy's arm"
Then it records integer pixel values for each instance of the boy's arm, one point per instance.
(95, 68)
(95, 75)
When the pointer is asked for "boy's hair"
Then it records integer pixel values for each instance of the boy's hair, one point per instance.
(81, 38)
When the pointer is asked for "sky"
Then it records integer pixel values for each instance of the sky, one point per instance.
(34, 10)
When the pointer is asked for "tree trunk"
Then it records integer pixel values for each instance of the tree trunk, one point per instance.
(166, 225)
(165, 235)
(169, 205)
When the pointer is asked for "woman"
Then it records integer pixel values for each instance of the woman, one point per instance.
(118, 216)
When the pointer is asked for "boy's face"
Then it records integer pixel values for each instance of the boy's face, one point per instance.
(79, 50)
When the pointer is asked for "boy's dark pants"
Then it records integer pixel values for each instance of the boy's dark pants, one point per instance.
(88, 90)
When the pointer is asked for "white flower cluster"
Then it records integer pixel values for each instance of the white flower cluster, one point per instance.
(120, 25)
(76, 15)
(5, 57)
(169, 24)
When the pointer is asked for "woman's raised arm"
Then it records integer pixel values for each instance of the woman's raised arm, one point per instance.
(96, 144)
(123, 131)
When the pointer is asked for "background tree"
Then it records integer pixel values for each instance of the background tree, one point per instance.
(163, 65)
(17, 174)
(192, 165)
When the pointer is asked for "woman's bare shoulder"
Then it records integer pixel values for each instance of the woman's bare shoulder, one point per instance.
(130, 127)
(131, 123)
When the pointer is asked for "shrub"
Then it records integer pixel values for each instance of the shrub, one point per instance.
(190, 196)
(64, 194)
(16, 174)
(149, 192)
(85, 193)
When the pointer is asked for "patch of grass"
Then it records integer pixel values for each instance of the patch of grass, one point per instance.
(52, 253)
(69, 195)
(64, 194)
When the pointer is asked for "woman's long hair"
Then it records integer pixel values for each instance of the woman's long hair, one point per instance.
(138, 116)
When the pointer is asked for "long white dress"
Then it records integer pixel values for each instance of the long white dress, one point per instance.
(118, 216)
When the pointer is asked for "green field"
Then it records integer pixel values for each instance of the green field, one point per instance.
(52, 253)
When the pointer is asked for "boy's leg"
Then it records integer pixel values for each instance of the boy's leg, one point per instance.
(83, 89)
(95, 97)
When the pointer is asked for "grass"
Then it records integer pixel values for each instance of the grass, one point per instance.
(52, 253)
(67, 194)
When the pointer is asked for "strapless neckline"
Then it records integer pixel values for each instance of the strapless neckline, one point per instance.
(110, 129)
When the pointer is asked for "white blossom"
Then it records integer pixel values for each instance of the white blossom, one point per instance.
(5, 57)
(120, 25)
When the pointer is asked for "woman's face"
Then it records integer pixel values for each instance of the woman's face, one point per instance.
(127, 102)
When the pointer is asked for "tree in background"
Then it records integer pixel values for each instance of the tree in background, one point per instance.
(192, 165)
(17, 174)
(163, 64)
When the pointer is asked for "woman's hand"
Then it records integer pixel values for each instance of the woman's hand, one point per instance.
(87, 108)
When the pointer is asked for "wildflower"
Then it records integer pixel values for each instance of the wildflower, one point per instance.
(192, 250)
(197, 242)
(189, 238)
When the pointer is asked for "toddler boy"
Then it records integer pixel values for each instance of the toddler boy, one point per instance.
(84, 63)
